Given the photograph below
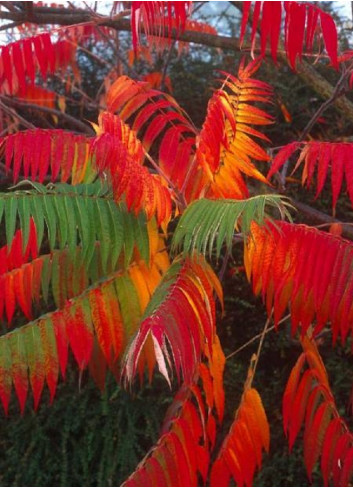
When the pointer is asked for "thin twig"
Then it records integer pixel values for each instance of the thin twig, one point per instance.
(339, 91)
(224, 265)
(166, 64)
(261, 342)
(254, 338)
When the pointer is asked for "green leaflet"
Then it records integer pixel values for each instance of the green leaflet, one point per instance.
(129, 303)
(210, 223)
(71, 216)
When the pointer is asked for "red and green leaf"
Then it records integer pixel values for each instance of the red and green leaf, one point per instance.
(182, 315)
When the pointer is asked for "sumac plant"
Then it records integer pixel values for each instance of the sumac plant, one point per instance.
(112, 229)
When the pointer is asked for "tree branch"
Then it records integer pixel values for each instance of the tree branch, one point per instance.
(63, 16)
(80, 126)
(316, 216)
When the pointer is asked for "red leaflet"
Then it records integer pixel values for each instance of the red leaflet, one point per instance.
(28, 58)
(270, 27)
(329, 34)
(41, 153)
(178, 320)
(79, 332)
(301, 21)
(326, 434)
(142, 189)
(318, 157)
(157, 17)
(19, 66)
(312, 17)
(309, 269)
(295, 26)
(244, 21)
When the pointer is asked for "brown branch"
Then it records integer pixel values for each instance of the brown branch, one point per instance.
(315, 216)
(80, 126)
(62, 16)
(15, 115)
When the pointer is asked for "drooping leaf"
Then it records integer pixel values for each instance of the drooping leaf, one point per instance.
(181, 314)
(21, 59)
(327, 436)
(33, 354)
(308, 269)
(48, 154)
(301, 23)
(156, 115)
(157, 17)
(318, 159)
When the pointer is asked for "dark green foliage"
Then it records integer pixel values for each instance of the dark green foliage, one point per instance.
(84, 438)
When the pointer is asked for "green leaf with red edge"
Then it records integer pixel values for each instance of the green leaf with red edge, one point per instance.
(19, 367)
(35, 361)
(50, 355)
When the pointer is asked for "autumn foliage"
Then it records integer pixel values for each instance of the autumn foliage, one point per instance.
(110, 239)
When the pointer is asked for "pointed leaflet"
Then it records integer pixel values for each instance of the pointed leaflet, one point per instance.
(336, 156)
(181, 312)
(45, 147)
(155, 112)
(241, 451)
(157, 18)
(326, 434)
(311, 266)
(224, 148)
(301, 22)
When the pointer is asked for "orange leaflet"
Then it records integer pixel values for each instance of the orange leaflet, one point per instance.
(241, 451)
